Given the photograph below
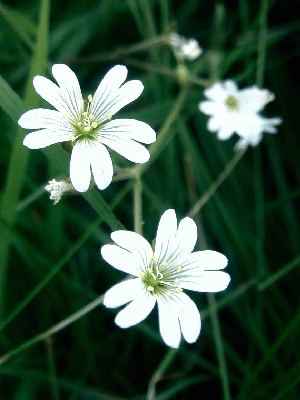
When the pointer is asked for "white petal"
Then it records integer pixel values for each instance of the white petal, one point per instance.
(269, 124)
(168, 321)
(207, 107)
(45, 137)
(135, 244)
(120, 259)
(165, 234)
(189, 317)
(123, 145)
(111, 81)
(204, 260)
(109, 98)
(208, 281)
(129, 129)
(136, 311)
(127, 93)
(254, 99)
(184, 242)
(225, 132)
(80, 172)
(230, 86)
(215, 92)
(67, 100)
(122, 293)
(101, 164)
(214, 123)
(69, 87)
(43, 118)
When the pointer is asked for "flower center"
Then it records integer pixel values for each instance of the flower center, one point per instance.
(160, 278)
(231, 103)
(86, 126)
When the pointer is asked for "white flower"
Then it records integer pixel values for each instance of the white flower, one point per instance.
(185, 48)
(237, 111)
(161, 275)
(57, 189)
(88, 124)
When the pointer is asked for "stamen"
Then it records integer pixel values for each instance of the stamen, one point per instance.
(141, 274)
(150, 270)
(155, 296)
(91, 116)
(65, 116)
(178, 289)
(150, 288)
(168, 293)
(79, 123)
(90, 98)
(109, 116)
(179, 269)
(94, 125)
(87, 128)
(176, 280)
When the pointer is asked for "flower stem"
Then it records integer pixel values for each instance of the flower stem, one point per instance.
(159, 372)
(214, 186)
(219, 346)
(262, 42)
(137, 205)
(164, 136)
(55, 328)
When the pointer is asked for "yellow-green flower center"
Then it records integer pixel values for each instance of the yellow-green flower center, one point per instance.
(87, 126)
(160, 278)
(231, 103)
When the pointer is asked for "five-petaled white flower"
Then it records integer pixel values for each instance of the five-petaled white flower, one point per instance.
(160, 277)
(233, 110)
(88, 123)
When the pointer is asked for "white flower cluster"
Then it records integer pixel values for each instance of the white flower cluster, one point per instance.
(237, 111)
(161, 275)
(185, 49)
(58, 188)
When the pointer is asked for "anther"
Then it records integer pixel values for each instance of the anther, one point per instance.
(155, 296)
(150, 288)
(94, 125)
(179, 269)
(65, 116)
(90, 98)
(178, 289)
(168, 293)
(87, 128)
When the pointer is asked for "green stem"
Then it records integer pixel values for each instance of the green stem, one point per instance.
(19, 154)
(137, 205)
(214, 186)
(262, 42)
(164, 135)
(282, 338)
(55, 328)
(219, 346)
(159, 372)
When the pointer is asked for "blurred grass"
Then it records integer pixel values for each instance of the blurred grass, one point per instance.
(49, 256)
